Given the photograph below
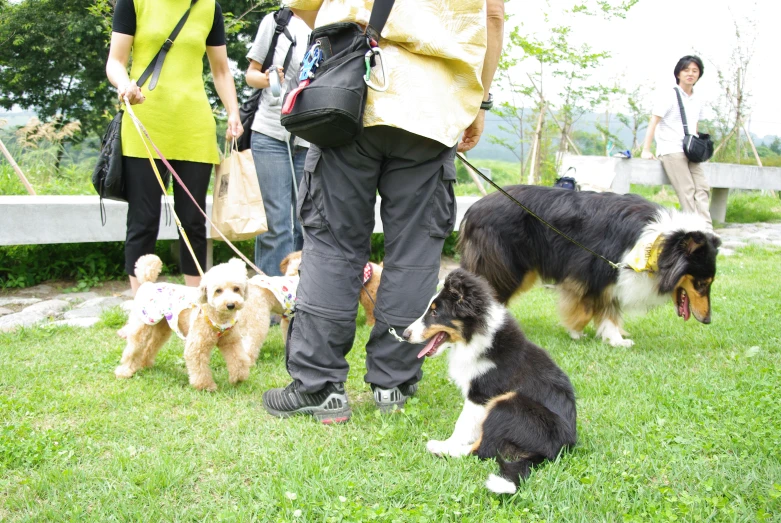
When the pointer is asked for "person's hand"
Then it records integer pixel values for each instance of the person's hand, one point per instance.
(279, 72)
(472, 133)
(647, 155)
(133, 93)
(235, 129)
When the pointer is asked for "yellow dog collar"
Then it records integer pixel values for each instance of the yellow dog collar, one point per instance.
(644, 256)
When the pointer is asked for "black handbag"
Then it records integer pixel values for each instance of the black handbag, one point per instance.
(248, 109)
(107, 177)
(327, 107)
(698, 147)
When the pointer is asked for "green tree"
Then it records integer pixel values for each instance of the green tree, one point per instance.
(637, 119)
(53, 56)
(775, 146)
(52, 60)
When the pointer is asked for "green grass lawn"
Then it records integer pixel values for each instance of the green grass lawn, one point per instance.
(685, 425)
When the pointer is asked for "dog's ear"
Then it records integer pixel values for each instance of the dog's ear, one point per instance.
(284, 263)
(455, 284)
(693, 241)
(203, 291)
(715, 240)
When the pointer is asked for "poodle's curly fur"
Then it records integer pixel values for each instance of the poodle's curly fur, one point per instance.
(217, 301)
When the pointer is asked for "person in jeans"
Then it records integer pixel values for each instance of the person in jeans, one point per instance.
(440, 70)
(272, 145)
(666, 125)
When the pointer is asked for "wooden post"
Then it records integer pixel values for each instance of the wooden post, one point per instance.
(18, 170)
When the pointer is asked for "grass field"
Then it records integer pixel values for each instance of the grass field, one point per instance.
(684, 426)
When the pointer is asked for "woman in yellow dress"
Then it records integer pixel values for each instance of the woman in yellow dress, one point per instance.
(176, 112)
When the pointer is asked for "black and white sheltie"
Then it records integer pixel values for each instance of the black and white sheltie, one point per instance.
(519, 406)
(676, 254)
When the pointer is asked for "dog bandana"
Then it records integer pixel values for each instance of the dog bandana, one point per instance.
(283, 288)
(644, 256)
(157, 301)
(367, 272)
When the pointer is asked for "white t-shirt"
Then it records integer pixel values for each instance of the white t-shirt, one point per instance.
(267, 118)
(669, 133)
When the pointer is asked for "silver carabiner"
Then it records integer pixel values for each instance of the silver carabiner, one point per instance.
(367, 77)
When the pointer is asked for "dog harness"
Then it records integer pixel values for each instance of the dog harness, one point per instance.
(157, 301)
(644, 256)
(283, 288)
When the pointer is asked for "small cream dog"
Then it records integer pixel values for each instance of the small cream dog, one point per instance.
(204, 317)
(267, 295)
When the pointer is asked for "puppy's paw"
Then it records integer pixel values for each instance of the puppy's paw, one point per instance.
(207, 386)
(123, 372)
(438, 448)
(448, 448)
(621, 342)
(241, 375)
(499, 485)
(575, 335)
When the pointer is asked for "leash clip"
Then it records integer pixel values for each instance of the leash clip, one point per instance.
(398, 338)
(368, 58)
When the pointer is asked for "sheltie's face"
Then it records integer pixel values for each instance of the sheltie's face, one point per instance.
(692, 296)
(687, 268)
(454, 315)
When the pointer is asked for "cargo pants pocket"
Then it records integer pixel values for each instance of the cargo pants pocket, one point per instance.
(310, 194)
(443, 203)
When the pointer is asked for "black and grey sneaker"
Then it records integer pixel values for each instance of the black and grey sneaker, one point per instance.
(388, 400)
(328, 405)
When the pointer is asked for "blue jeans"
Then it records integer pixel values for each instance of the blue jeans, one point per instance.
(272, 164)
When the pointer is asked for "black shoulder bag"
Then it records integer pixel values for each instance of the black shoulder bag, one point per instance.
(327, 107)
(698, 147)
(250, 107)
(107, 178)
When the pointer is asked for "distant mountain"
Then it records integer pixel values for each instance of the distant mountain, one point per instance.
(16, 118)
(487, 150)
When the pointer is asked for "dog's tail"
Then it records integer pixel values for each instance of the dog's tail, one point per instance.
(483, 253)
(148, 268)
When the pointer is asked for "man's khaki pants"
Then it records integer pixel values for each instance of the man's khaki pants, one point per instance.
(688, 179)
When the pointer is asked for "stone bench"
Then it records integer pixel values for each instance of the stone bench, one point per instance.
(34, 220)
(618, 174)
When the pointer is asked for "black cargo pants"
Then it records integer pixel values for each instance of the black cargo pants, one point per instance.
(414, 176)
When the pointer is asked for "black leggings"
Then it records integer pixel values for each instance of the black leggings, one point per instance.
(144, 203)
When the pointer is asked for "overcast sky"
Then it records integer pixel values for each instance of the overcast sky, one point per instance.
(647, 44)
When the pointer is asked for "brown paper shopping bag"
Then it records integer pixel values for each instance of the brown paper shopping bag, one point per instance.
(237, 208)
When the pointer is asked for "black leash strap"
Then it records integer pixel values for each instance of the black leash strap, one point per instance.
(683, 112)
(156, 65)
(522, 206)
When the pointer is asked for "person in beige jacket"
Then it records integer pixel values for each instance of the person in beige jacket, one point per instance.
(440, 57)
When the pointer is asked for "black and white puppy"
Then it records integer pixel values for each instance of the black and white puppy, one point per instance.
(519, 405)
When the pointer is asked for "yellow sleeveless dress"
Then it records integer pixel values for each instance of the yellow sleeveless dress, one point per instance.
(176, 113)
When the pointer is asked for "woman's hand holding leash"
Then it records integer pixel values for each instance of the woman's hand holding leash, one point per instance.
(132, 92)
